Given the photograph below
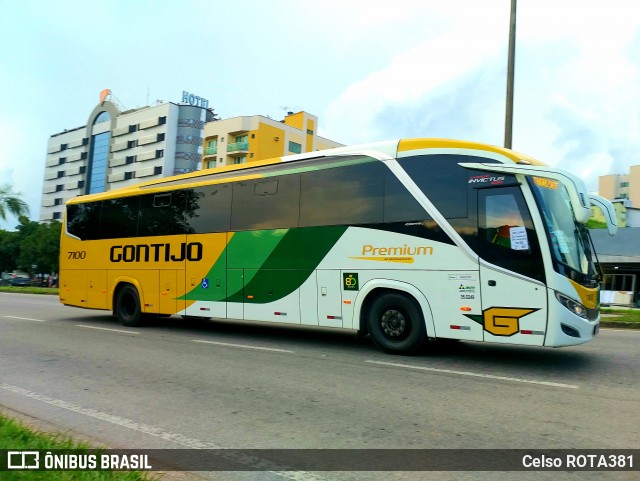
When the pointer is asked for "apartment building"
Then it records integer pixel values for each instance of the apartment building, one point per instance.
(624, 188)
(239, 140)
(118, 148)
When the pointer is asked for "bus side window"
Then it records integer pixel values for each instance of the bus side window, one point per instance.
(271, 204)
(162, 214)
(83, 220)
(208, 209)
(345, 195)
(506, 236)
(119, 217)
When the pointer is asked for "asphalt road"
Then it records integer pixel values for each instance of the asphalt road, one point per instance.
(220, 384)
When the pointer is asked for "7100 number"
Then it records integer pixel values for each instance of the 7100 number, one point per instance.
(77, 254)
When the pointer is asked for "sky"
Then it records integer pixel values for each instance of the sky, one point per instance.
(369, 69)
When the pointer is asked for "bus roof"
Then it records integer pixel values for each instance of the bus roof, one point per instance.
(381, 150)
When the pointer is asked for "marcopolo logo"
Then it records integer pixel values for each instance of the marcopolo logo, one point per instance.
(191, 251)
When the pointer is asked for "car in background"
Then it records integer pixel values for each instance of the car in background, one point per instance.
(17, 279)
(20, 281)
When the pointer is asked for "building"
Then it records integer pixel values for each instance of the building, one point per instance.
(622, 186)
(621, 213)
(247, 139)
(619, 257)
(115, 149)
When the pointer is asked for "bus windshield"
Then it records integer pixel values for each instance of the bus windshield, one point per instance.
(570, 246)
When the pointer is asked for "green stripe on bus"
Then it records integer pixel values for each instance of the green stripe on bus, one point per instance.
(268, 265)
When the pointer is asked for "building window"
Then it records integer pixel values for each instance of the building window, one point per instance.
(85, 141)
(56, 215)
(62, 160)
(98, 163)
(159, 153)
(309, 132)
(60, 174)
(624, 184)
(211, 147)
(102, 117)
(128, 175)
(81, 184)
(133, 128)
(162, 120)
(63, 147)
(253, 136)
(130, 159)
(57, 201)
(157, 170)
(160, 137)
(83, 169)
(295, 147)
(131, 144)
(242, 138)
(83, 156)
(240, 160)
(59, 188)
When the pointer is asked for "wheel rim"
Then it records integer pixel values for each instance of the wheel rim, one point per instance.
(394, 324)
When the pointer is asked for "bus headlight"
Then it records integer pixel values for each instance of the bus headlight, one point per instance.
(575, 307)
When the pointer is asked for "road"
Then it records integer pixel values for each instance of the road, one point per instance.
(177, 384)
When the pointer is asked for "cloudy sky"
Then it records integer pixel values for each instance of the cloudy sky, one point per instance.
(370, 70)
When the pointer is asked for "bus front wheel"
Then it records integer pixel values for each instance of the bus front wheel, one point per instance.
(396, 324)
(127, 308)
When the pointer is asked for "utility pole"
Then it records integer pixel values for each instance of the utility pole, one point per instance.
(508, 118)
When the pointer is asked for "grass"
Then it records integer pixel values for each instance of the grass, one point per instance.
(30, 290)
(621, 317)
(15, 436)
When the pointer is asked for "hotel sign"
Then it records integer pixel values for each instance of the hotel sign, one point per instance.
(194, 100)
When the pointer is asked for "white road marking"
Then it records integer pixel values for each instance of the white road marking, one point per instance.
(192, 443)
(107, 329)
(474, 374)
(244, 346)
(25, 319)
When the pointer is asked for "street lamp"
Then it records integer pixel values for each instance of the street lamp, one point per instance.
(508, 119)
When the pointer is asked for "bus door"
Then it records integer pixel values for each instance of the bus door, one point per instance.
(169, 283)
(206, 275)
(329, 284)
(514, 300)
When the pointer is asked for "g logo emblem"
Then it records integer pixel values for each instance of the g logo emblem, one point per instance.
(504, 321)
(501, 321)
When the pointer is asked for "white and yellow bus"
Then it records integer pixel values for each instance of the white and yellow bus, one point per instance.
(404, 240)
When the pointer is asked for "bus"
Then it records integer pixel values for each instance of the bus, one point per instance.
(405, 240)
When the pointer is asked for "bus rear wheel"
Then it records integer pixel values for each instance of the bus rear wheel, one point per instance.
(127, 309)
(396, 324)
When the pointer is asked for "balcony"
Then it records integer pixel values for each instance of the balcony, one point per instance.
(211, 150)
(238, 147)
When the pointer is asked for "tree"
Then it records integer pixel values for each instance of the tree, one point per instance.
(11, 203)
(39, 246)
(9, 250)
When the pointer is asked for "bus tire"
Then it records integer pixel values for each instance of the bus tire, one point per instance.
(127, 309)
(396, 324)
